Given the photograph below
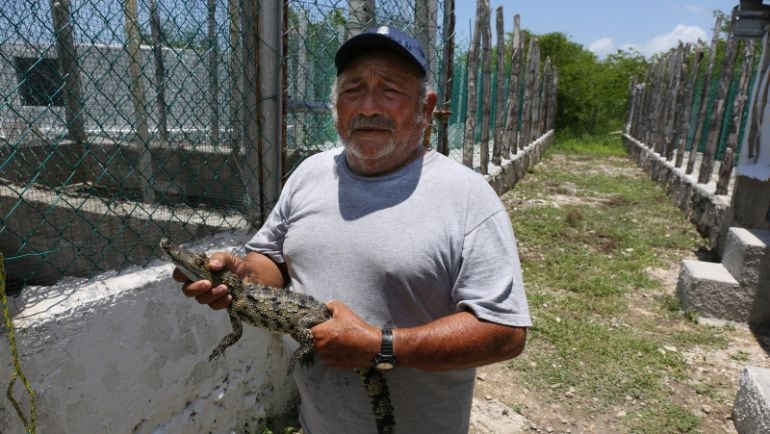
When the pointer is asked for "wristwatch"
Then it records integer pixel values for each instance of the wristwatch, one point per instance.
(385, 359)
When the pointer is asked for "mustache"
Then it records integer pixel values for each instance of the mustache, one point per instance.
(376, 121)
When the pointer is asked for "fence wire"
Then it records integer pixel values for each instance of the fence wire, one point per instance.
(122, 121)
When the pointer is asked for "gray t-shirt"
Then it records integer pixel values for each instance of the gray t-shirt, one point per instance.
(401, 250)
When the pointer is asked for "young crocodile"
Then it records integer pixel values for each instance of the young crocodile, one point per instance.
(279, 311)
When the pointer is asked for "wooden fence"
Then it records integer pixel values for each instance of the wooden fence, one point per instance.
(524, 112)
(686, 109)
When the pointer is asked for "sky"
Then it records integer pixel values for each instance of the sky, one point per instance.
(603, 26)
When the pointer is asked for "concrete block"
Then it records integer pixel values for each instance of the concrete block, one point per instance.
(746, 255)
(751, 410)
(710, 290)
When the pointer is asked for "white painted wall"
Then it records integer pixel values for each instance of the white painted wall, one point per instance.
(758, 168)
(129, 353)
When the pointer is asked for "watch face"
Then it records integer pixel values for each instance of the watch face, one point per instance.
(384, 366)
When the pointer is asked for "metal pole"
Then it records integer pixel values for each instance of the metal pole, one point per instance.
(270, 18)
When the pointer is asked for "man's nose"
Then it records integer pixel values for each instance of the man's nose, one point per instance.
(370, 104)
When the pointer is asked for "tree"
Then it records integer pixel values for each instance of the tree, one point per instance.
(593, 93)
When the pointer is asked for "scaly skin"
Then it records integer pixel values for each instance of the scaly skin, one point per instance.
(279, 311)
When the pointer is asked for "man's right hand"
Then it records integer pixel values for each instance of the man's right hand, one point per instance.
(204, 292)
(254, 267)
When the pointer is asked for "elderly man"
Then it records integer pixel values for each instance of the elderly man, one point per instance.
(413, 252)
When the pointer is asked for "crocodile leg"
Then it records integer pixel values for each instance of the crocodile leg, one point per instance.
(229, 339)
(303, 354)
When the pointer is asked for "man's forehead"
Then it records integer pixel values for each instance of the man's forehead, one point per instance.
(382, 63)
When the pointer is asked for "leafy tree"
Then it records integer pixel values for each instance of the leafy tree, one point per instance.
(592, 93)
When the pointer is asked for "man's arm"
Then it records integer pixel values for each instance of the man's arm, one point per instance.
(456, 341)
(254, 267)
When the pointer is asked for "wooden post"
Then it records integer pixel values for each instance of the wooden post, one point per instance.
(675, 98)
(510, 140)
(704, 95)
(726, 168)
(661, 94)
(688, 101)
(486, 90)
(554, 106)
(68, 65)
(543, 103)
(644, 132)
(530, 103)
(499, 101)
(546, 99)
(679, 104)
(473, 64)
(446, 77)
(535, 94)
(160, 70)
(141, 140)
(632, 95)
(636, 110)
(715, 124)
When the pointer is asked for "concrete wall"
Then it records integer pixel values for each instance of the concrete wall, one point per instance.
(710, 213)
(127, 352)
(504, 177)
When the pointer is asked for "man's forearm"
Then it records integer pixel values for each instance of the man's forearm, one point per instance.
(261, 269)
(457, 341)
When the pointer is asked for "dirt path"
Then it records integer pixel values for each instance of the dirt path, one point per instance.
(711, 376)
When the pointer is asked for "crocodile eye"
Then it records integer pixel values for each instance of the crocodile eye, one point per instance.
(199, 262)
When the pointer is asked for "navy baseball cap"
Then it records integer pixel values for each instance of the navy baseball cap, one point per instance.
(383, 37)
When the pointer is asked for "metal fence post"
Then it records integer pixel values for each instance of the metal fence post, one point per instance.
(271, 102)
(251, 122)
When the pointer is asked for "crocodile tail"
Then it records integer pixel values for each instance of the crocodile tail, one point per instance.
(379, 395)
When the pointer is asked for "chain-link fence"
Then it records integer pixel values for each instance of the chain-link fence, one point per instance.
(123, 121)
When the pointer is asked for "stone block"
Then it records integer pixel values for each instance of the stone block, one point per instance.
(746, 255)
(710, 290)
(751, 410)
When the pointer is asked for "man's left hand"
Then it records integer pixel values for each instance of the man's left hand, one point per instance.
(346, 341)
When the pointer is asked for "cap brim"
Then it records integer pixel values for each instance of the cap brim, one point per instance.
(368, 41)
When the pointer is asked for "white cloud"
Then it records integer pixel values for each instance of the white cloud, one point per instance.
(666, 41)
(658, 44)
(602, 46)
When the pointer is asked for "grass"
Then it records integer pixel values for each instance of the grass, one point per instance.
(586, 265)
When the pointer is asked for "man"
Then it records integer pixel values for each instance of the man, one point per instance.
(415, 252)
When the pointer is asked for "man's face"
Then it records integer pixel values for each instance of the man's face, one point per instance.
(380, 118)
